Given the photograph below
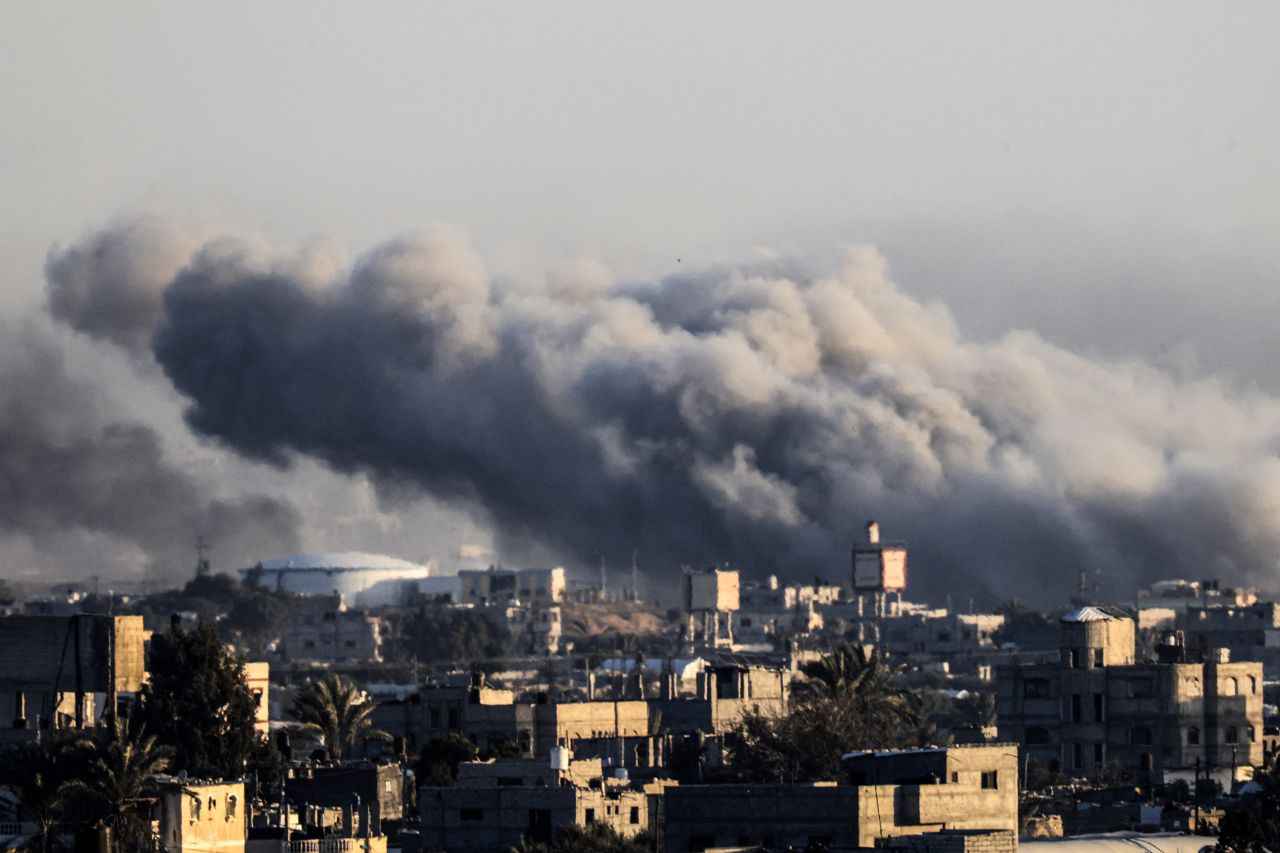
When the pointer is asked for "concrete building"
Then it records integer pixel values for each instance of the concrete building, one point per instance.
(202, 817)
(495, 586)
(257, 674)
(1097, 707)
(938, 632)
(537, 628)
(61, 671)
(379, 787)
(958, 790)
(491, 718)
(323, 628)
(497, 805)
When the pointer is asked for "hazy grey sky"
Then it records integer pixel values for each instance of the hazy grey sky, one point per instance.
(1104, 173)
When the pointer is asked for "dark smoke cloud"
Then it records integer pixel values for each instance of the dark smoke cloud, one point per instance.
(110, 285)
(68, 464)
(755, 414)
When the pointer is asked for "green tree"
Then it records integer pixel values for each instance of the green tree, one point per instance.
(40, 775)
(122, 761)
(847, 702)
(334, 708)
(198, 703)
(438, 764)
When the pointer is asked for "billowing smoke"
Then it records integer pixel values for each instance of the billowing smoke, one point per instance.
(69, 464)
(755, 414)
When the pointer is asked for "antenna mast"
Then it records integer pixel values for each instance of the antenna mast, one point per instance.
(202, 562)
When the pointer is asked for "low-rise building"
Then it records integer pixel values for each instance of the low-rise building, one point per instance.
(495, 586)
(895, 794)
(497, 805)
(323, 628)
(492, 718)
(202, 817)
(1098, 708)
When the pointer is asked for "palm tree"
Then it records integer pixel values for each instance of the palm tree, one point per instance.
(852, 690)
(334, 708)
(39, 775)
(121, 764)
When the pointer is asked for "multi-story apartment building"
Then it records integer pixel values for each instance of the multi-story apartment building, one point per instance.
(1097, 707)
(323, 628)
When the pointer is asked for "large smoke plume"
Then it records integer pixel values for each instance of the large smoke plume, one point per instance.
(71, 463)
(755, 414)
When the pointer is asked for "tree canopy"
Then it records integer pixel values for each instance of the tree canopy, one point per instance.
(335, 708)
(198, 703)
(847, 702)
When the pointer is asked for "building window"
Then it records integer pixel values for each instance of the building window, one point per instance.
(590, 816)
(1099, 757)
(635, 814)
(1139, 687)
(1036, 735)
(1231, 687)
(1140, 736)
(1144, 761)
(1251, 733)
(435, 718)
(453, 718)
(1035, 688)
(1097, 657)
(1099, 708)
(1193, 736)
(1077, 756)
(990, 780)
(1231, 735)
(1253, 685)
(1073, 658)
(471, 814)
(309, 644)
(231, 807)
(1075, 707)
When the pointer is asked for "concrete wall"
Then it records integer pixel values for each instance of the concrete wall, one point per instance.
(203, 817)
(82, 650)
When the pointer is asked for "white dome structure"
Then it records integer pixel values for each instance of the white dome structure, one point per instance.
(365, 580)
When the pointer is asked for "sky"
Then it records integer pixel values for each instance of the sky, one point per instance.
(1102, 176)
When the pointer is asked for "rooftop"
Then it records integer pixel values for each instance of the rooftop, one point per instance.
(1095, 613)
(341, 560)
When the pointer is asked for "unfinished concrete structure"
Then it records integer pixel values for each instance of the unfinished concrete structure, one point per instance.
(57, 671)
(896, 794)
(202, 817)
(495, 586)
(1098, 708)
(489, 717)
(497, 805)
(323, 628)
